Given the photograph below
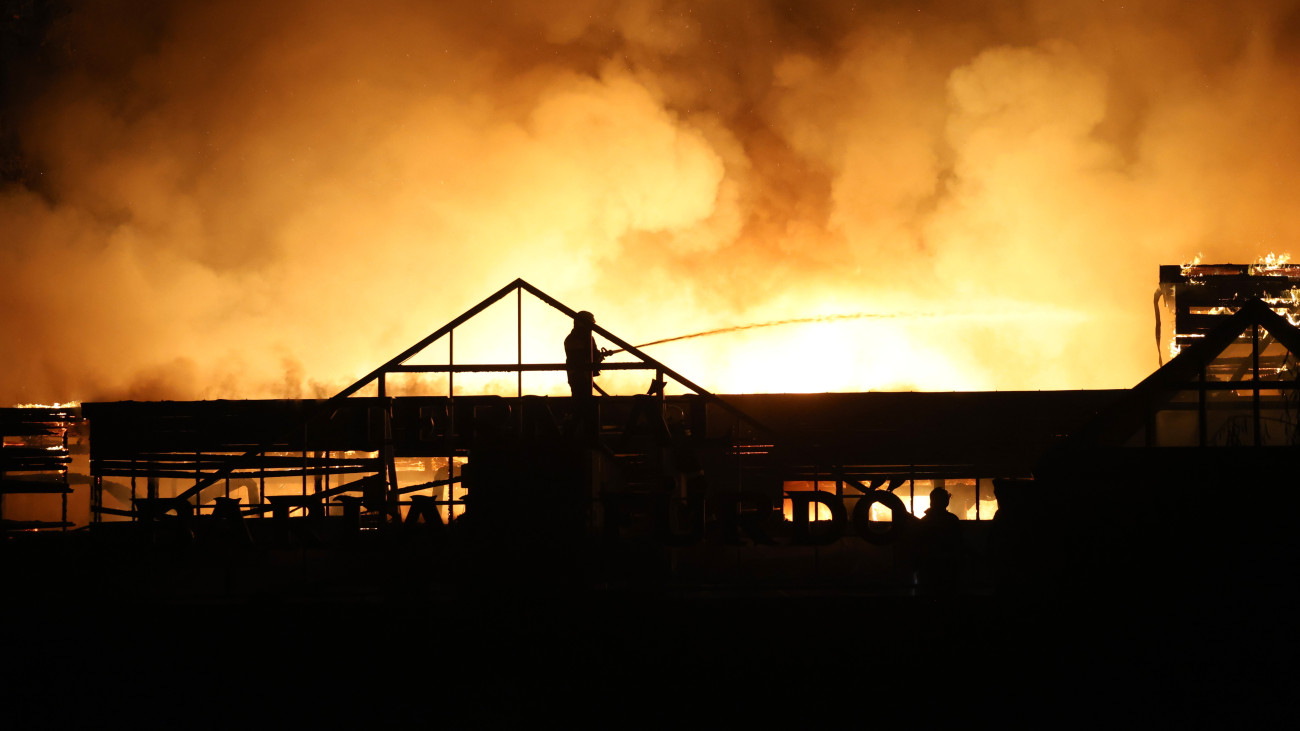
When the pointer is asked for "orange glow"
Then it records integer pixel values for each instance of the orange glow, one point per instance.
(208, 201)
(816, 511)
(983, 509)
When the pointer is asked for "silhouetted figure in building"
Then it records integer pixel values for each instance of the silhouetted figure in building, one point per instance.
(938, 567)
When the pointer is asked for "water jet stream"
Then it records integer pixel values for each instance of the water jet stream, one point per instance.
(777, 323)
(853, 316)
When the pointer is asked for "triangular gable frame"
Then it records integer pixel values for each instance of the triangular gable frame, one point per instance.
(399, 364)
(1190, 360)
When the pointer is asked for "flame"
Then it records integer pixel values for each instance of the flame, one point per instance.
(1188, 269)
(1270, 264)
(1216, 310)
(1287, 305)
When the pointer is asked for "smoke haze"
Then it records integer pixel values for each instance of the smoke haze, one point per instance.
(246, 199)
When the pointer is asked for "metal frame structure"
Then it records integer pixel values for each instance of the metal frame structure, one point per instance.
(349, 434)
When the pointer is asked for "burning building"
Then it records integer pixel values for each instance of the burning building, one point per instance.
(1150, 522)
(694, 488)
(211, 200)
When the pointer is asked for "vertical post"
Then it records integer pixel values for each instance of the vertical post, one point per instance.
(96, 497)
(63, 519)
(519, 361)
(325, 479)
(198, 480)
(1203, 428)
(911, 490)
(1254, 362)
(389, 457)
(450, 438)
(451, 487)
(519, 338)
(815, 517)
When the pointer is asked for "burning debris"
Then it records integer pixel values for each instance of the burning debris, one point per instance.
(1197, 297)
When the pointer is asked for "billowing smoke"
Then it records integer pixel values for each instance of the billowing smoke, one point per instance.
(246, 199)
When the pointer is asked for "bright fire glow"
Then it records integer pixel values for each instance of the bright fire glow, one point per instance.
(204, 201)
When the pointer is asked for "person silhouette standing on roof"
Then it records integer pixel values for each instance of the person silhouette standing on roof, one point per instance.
(581, 355)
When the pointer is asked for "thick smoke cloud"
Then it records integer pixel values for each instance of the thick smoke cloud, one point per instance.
(238, 199)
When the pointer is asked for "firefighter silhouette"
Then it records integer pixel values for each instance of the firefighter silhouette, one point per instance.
(581, 355)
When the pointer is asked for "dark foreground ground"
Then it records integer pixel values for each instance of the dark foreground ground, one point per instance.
(142, 642)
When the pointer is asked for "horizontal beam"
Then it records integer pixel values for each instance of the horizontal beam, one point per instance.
(176, 459)
(212, 477)
(1242, 385)
(514, 367)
